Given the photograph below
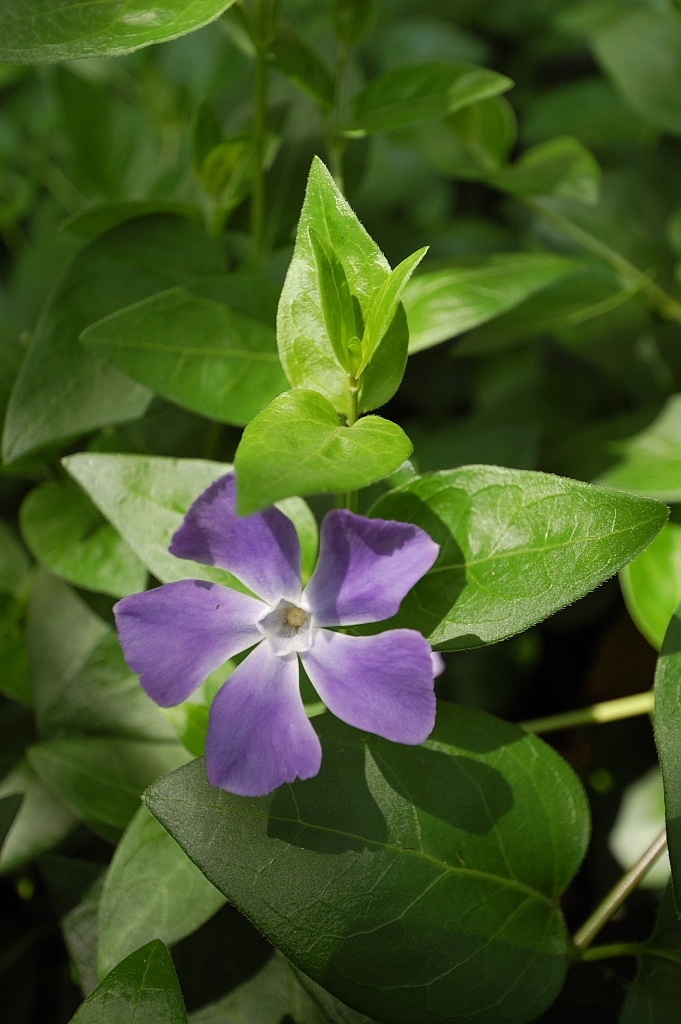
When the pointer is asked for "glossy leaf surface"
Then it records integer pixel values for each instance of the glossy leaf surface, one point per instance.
(515, 547)
(384, 306)
(298, 446)
(199, 353)
(64, 531)
(143, 989)
(463, 862)
(152, 891)
(423, 92)
(651, 584)
(63, 390)
(442, 304)
(51, 31)
(667, 721)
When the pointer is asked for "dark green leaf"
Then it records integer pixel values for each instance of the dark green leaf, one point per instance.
(559, 167)
(81, 684)
(96, 220)
(206, 133)
(50, 31)
(423, 92)
(293, 57)
(515, 547)
(152, 891)
(199, 353)
(14, 563)
(65, 532)
(79, 928)
(101, 780)
(88, 113)
(297, 446)
(462, 858)
(15, 682)
(651, 584)
(654, 996)
(62, 389)
(442, 304)
(350, 19)
(42, 821)
(667, 721)
(9, 805)
(143, 989)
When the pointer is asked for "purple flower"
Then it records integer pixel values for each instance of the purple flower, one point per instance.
(258, 735)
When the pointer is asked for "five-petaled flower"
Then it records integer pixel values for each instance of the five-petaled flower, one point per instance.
(258, 734)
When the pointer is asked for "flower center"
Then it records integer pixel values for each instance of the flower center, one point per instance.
(287, 627)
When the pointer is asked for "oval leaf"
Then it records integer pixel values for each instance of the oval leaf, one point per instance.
(443, 854)
(515, 546)
(651, 584)
(667, 721)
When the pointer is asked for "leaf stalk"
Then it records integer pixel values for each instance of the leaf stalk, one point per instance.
(596, 714)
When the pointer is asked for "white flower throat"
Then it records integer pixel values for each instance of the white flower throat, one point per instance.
(288, 627)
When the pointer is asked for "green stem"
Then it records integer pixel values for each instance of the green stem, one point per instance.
(665, 304)
(596, 714)
(259, 133)
(618, 894)
(351, 500)
(629, 949)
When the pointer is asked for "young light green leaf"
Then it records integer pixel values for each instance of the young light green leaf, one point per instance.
(101, 780)
(452, 833)
(41, 822)
(654, 996)
(305, 349)
(51, 31)
(423, 92)
(143, 989)
(384, 305)
(442, 304)
(199, 353)
(652, 459)
(64, 531)
(297, 446)
(337, 307)
(152, 891)
(515, 546)
(651, 584)
(63, 390)
(292, 56)
(81, 684)
(559, 167)
(667, 722)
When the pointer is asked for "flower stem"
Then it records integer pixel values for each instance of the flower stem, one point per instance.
(666, 305)
(607, 711)
(617, 895)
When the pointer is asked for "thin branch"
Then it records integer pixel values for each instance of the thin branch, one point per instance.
(607, 711)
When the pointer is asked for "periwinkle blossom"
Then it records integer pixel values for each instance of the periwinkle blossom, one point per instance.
(258, 734)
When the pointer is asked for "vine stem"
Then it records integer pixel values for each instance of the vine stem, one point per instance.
(666, 305)
(596, 714)
(617, 895)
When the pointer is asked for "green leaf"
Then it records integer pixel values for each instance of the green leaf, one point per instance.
(651, 584)
(101, 780)
(515, 546)
(9, 805)
(201, 354)
(297, 446)
(62, 389)
(14, 563)
(51, 31)
(337, 307)
(41, 822)
(88, 114)
(654, 996)
(152, 891)
(442, 304)
(350, 19)
(305, 349)
(79, 928)
(463, 859)
(667, 722)
(64, 531)
(81, 684)
(423, 92)
(652, 459)
(384, 305)
(559, 167)
(293, 57)
(471, 143)
(641, 52)
(15, 682)
(143, 989)
(102, 217)
(300, 514)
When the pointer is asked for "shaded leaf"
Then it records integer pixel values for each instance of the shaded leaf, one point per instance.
(559, 167)
(97, 219)
(471, 143)
(14, 562)
(652, 459)
(41, 822)
(667, 722)
(654, 996)
(294, 57)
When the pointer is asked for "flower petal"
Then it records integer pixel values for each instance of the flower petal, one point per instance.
(365, 568)
(174, 636)
(438, 663)
(381, 684)
(258, 734)
(261, 550)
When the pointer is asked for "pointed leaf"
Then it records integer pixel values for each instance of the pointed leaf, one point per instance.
(667, 721)
(41, 822)
(651, 584)
(384, 305)
(297, 446)
(291, 55)
(463, 861)
(143, 989)
(515, 547)
(339, 314)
